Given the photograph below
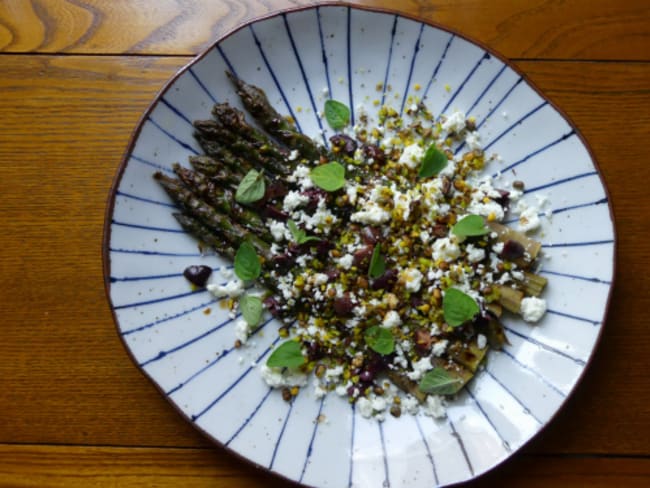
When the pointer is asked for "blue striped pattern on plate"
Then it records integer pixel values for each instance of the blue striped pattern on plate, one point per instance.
(301, 58)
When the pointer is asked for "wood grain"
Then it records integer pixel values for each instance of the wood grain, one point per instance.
(64, 376)
(64, 466)
(550, 29)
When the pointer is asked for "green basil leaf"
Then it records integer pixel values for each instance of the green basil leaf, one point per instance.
(286, 355)
(251, 188)
(433, 162)
(247, 263)
(380, 340)
(377, 264)
(337, 114)
(439, 382)
(458, 308)
(299, 235)
(470, 225)
(329, 177)
(251, 309)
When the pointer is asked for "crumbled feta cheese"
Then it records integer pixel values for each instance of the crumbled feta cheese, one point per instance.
(402, 204)
(278, 230)
(333, 373)
(293, 200)
(532, 309)
(434, 407)
(481, 341)
(419, 368)
(321, 220)
(446, 249)
(320, 279)
(345, 261)
(293, 155)
(232, 289)
(412, 279)
(364, 406)
(391, 319)
(373, 214)
(474, 253)
(473, 140)
(276, 377)
(351, 192)
(455, 122)
(410, 404)
(439, 347)
(242, 330)
(301, 176)
(411, 156)
(378, 404)
(529, 220)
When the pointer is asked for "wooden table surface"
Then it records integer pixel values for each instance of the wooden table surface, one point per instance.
(75, 76)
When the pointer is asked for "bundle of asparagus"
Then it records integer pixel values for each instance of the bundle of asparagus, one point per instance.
(356, 291)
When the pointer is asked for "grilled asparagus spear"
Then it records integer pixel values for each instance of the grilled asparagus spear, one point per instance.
(233, 232)
(258, 105)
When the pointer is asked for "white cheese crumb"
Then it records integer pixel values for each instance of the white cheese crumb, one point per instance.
(365, 407)
(529, 220)
(346, 261)
(351, 191)
(474, 253)
(293, 200)
(391, 319)
(320, 279)
(410, 404)
(445, 249)
(434, 407)
(275, 377)
(301, 176)
(319, 391)
(293, 155)
(278, 229)
(473, 140)
(412, 279)
(411, 156)
(333, 373)
(419, 368)
(481, 341)
(232, 289)
(373, 214)
(532, 308)
(242, 330)
(455, 122)
(439, 347)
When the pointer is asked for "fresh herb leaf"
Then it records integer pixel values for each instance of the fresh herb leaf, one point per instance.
(337, 114)
(286, 355)
(299, 235)
(433, 162)
(247, 263)
(251, 309)
(377, 264)
(458, 308)
(329, 177)
(439, 382)
(379, 340)
(251, 188)
(470, 225)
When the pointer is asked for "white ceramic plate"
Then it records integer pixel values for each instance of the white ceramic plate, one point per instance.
(189, 354)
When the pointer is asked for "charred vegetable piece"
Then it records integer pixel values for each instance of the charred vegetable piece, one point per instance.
(258, 105)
